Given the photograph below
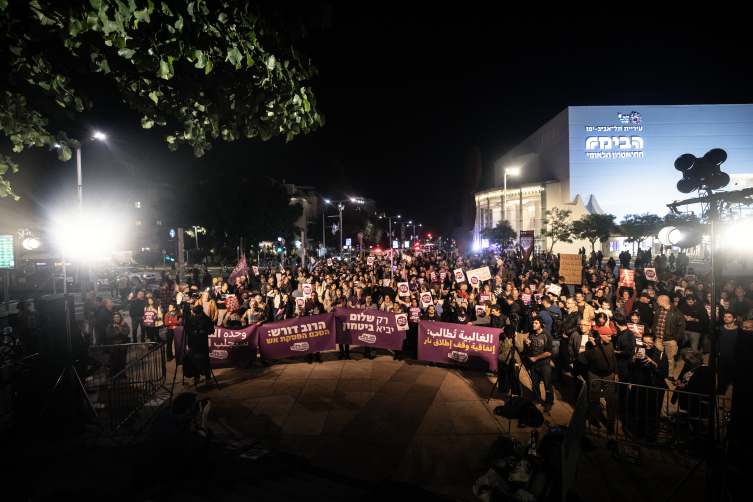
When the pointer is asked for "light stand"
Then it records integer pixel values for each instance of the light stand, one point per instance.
(69, 368)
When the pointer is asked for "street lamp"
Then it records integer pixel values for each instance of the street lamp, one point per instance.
(196, 234)
(80, 189)
(413, 232)
(340, 208)
(392, 251)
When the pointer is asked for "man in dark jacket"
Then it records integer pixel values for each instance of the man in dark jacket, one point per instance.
(643, 306)
(696, 320)
(198, 328)
(136, 311)
(669, 330)
(602, 368)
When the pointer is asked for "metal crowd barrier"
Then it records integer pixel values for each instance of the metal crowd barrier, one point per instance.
(14, 379)
(104, 354)
(136, 393)
(663, 419)
(572, 442)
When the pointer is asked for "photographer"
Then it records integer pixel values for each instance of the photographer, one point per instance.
(172, 449)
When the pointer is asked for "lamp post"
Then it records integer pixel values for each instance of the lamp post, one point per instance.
(340, 208)
(392, 251)
(196, 234)
(80, 193)
(413, 232)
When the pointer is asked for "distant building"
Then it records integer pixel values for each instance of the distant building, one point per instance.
(622, 155)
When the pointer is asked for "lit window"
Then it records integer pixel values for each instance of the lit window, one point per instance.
(138, 223)
(137, 205)
(159, 223)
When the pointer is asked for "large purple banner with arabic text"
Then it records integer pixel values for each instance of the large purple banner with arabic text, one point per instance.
(371, 328)
(226, 345)
(458, 344)
(295, 337)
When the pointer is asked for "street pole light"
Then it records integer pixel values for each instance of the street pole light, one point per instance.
(513, 171)
(196, 234)
(324, 225)
(389, 241)
(413, 232)
(80, 193)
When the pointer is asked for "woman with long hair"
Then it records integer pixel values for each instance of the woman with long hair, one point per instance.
(153, 320)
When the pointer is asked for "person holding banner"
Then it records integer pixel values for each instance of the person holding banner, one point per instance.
(196, 361)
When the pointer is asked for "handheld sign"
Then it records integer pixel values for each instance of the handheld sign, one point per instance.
(306, 290)
(555, 289)
(256, 270)
(627, 277)
(426, 300)
(459, 275)
(370, 260)
(300, 302)
(526, 297)
(480, 312)
(403, 288)
(484, 297)
(650, 274)
(329, 262)
(414, 314)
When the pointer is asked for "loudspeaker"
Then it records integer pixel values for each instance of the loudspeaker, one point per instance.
(51, 326)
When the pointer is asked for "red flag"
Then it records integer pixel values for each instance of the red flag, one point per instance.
(239, 270)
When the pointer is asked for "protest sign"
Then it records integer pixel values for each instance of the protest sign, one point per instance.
(571, 268)
(414, 314)
(650, 274)
(480, 311)
(226, 345)
(255, 269)
(537, 298)
(690, 278)
(627, 277)
(482, 273)
(307, 290)
(402, 322)
(473, 279)
(296, 337)
(370, 328)
(434, 277)
(403, 289)
(329, 262)
(426, 300)
(680, 290)
(725, 304)
(386, 282)
(459, 275)
(636, 328)
(442, 276)
(555, 289)
(484, 297)
(370, 260)
(458, 344)
(279, 278)
(232, 304)
(708, 309)
(526, 297)
(300, 302)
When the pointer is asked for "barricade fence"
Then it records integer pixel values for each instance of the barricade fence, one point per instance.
(136, 394)
(655, 417)
(107, 355)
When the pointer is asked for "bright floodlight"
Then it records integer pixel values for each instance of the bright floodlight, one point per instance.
(77, 238)
(352, 199)
(326, 200)
(398, 216)
(513, 170)
(99, 135)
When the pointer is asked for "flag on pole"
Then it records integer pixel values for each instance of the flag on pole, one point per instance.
(240, 270)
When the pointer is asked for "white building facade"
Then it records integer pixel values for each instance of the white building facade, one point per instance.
(621, 155)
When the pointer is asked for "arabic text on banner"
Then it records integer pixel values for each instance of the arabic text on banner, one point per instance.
(458, 344)
(226, 345)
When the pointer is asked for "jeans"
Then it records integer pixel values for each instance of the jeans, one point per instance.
(693, 337)
(138, 321)
(594, 397)
(544, 372)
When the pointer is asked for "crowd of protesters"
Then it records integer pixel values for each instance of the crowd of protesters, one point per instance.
(599, 330)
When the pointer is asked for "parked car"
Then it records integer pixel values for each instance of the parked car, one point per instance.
(135, 275)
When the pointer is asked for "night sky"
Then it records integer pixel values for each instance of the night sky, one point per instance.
(406, 89)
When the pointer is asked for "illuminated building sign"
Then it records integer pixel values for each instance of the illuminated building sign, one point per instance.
(616, 145)
(7, 258)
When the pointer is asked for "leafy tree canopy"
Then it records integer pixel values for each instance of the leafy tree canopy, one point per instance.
(503, 235)
(559, 226)
(639, 227)
(595, 227)
(148, 258)
(214, 68)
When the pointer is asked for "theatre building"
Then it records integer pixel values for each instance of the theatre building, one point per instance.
(609, 159)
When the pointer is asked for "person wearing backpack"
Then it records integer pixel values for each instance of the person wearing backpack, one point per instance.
(602, 368)
(554, 324)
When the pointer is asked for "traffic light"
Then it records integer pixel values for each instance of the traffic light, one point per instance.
(279, 250)
(429, 236)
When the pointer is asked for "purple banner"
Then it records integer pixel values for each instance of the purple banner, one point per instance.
(371, 328)
(225, 345)
(296, 337)
(458, 344)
